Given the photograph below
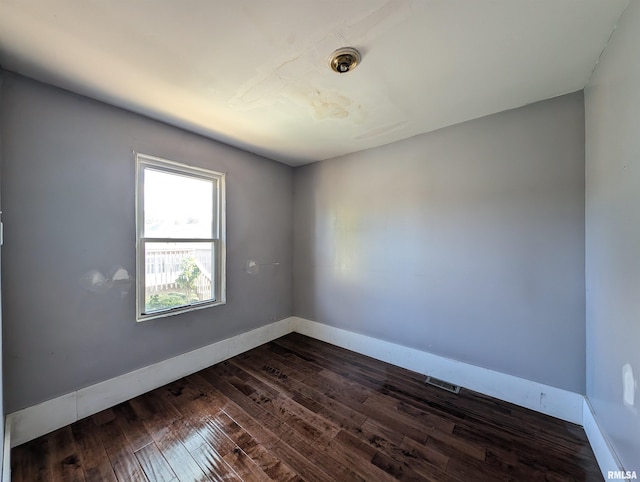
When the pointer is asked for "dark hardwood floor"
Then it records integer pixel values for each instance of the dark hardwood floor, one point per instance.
(299, 409)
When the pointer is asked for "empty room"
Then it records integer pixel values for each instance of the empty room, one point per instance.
(362, 240)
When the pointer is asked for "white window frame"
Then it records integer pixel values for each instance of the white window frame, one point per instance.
(144, 161)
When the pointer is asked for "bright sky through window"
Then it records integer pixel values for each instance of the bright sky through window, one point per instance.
(177, 206)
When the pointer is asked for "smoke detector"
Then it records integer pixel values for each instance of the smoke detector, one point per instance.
(344, 60)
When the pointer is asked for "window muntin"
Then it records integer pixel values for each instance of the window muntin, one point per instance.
(180, 243)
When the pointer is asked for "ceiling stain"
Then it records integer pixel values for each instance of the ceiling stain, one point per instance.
(380, 131)
(280, 81)
(266, 88)
(380, 20)
(327, 105)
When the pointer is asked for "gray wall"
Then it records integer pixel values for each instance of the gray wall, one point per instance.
(68, 201)
(467, 242)
(612, 103)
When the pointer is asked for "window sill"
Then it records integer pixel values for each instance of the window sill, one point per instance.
(177, 311)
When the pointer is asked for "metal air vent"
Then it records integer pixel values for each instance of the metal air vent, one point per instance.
(436, 382)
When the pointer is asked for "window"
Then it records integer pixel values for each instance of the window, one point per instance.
(180, 248)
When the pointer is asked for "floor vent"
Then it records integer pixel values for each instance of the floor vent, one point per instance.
(450, 387)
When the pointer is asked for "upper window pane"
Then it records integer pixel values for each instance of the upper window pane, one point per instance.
(176, 206)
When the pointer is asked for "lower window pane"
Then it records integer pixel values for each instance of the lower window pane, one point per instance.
(178, 274)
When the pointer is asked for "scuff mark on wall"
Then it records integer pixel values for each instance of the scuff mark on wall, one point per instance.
(543, 400)
(95, 282)
(253, 266)
(629, 387)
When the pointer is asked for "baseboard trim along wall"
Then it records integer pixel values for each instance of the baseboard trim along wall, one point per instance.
(32, 422)
(605, 455)
(542, 398)
(6, 450)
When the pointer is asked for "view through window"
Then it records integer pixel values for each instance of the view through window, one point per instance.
(180, 237)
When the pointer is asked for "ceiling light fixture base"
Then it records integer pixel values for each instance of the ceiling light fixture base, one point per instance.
(344, 60)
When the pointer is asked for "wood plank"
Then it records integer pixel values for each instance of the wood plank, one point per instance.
(394, 468)
(30, 462)
(65, 459)
(154, 410)
(213, 432)
(245, 466)
(234, 445)
(212, 464)
(295, 441)
(357, 454)
(407, 459)
(178, 457)
(310, 398)
(124, 463)
(273, 467)
(95, 462)
(132, 426)
(425, 420)
(154, 465)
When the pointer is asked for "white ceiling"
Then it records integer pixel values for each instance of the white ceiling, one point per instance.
(254, 73)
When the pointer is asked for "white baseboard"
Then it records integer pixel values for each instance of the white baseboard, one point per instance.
(605, 455)
(536, 396)
(32, 422)
(6, 451)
